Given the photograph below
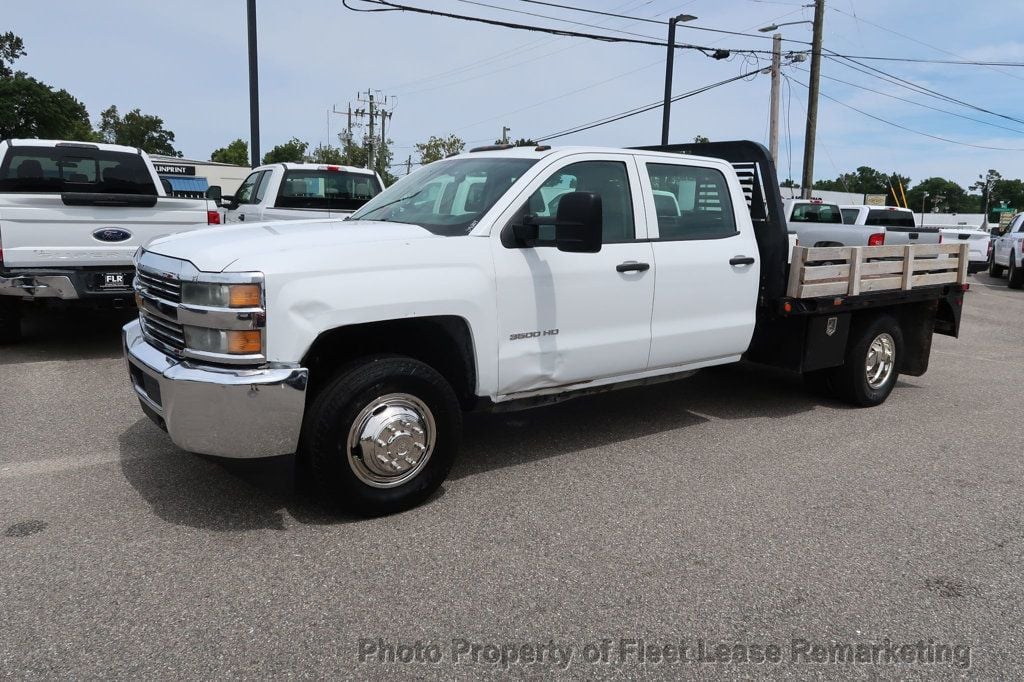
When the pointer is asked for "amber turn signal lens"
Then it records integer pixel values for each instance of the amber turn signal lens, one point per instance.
(245, 342)
(244, 296)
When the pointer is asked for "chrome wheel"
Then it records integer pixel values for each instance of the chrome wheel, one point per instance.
(881, 360)
(391, 440)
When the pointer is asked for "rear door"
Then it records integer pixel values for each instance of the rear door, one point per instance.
(77, 205)
(706, 259)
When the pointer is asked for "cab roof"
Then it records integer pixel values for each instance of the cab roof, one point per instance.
(102, 146)
(545, 151)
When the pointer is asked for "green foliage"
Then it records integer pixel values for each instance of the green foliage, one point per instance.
(327, 154)
(521, 142)
(944, 195)
(439, 148)
(30, 108)
(136, 129)
(236, 153)
(11, 49)
(294, 151)
(788, 182)
(1010, 191)
(700, 139)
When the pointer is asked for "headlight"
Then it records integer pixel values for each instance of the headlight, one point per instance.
(221, 295)
(224, 342)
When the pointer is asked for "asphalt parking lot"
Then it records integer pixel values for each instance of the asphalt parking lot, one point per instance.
(731, 508)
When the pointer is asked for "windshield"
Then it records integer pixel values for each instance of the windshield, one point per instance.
(446, 197)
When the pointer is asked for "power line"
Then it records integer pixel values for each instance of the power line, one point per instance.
(393, 6)
(637, 110)
(915, 87)
(915, 40)
(916, 103)
(911, 130)
(568, 21)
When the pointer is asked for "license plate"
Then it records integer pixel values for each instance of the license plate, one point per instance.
(114, 280)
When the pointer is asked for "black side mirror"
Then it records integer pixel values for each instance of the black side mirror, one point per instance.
(578, 225)
(213, 192)
(229, 202)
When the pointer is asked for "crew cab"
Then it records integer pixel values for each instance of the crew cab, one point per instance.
(818, 223)
(897, 224)
(72, 214)
(298, 191)
(359, 343)
(1008, 253)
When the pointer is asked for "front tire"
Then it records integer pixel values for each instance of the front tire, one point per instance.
(993, 269)
(1016, 275)
(10, 320)
(382, 435)
(872, 363)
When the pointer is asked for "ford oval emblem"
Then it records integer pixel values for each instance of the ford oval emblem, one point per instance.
(111, 234)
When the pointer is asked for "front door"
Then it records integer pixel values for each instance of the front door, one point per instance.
(569, 318)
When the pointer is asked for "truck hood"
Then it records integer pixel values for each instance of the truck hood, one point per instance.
(215, 249)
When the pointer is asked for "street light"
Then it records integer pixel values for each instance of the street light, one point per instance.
(666, 111)
(775, 27)
(924, 198)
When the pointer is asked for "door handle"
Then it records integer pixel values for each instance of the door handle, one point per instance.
(241, 216)
(741, 260)
(632, 266)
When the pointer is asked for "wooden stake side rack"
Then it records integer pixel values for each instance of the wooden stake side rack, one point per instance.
(853, 270)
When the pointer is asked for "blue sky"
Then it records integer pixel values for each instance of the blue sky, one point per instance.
(186, 61)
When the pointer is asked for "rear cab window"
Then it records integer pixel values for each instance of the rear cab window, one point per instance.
(326, 189)
(881, 217)
(74, 168)
(815, 212)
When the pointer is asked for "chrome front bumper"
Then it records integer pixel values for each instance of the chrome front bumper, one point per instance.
(227, 412)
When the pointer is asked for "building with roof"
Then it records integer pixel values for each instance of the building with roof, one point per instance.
(191, 178)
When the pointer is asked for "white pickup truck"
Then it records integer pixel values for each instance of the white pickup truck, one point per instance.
(359, 343)
(72, 215)
(897, 224)
(299, 191)
(1008, 253)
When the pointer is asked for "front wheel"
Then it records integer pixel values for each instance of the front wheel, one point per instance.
(993, 269)
(1016, 275)
(871, 366)
(382, 436)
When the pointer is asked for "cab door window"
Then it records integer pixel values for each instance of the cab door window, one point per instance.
(246, 191)
(609, 179)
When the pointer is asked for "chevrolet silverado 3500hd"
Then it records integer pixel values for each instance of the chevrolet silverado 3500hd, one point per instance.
(359, 343)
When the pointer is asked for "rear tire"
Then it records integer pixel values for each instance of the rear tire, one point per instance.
(872, 363)
(10, 320)
(1016, 275)
(381, 436)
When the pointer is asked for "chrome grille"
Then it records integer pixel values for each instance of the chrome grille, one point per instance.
(168, 333)
(160, 286)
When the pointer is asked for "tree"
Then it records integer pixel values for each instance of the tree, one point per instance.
(700, 139)
(294, 150)
(137, 129)
(439, 147)
(11, 49)
(944, 196)
(788, 182)
(521, 142)
(235, 153)
(325, 153)
(30, 108)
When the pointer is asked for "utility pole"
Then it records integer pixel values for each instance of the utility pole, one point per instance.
(666, 112)
(408, 165)
(373, 115)
(773, 116)
(254, 88)
(505, 130)
(807, 182)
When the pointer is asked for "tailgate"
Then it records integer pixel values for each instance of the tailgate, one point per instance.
(977, 242)
(40, 230)
(911, 235)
